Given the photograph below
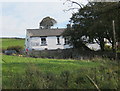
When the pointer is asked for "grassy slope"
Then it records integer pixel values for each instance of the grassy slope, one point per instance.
(54, 65)
(17, 66)
(12, 42)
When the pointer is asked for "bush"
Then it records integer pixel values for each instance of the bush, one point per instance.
(18, 49)
(2, 50)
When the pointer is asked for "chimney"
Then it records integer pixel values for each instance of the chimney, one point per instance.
(68, 25)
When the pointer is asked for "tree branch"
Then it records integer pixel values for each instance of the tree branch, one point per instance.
(97, 41)
(93, 83)
(70, 9)
(73, 2)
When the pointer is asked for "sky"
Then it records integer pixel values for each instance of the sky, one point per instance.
(18, 15)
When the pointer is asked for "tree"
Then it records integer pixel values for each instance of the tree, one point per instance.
(102, 26)
(94, 21)
(80, 23)
(47, 22)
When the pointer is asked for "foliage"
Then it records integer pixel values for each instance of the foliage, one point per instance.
(102, 26)
(58, 74)
(108, 47)
(2, 50)
(18, 49)
(47, 22)
(75, 38)
(94, 23)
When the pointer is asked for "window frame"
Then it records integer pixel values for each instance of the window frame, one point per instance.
(33, 42)
(43, 43)
(66, 41)
(58, 40)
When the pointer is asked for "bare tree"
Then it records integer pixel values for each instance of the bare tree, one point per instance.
(73, 2)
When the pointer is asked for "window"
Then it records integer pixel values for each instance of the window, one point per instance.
(35, 41)
(35, 44)
(66, 41)
(58, 40)
(43, 41)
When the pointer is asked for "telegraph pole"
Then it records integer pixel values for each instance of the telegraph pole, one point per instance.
(114, 40)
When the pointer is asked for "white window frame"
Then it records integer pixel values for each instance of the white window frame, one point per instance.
(43, 43)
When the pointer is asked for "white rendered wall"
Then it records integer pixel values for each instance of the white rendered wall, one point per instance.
(51, 42)
(27, 41)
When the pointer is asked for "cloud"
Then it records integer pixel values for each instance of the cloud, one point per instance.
(18, 16)
(11, 27)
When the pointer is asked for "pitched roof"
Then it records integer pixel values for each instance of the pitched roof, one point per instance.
(45, 32)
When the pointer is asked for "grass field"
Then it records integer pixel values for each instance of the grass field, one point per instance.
(12, 42)
(24, 72)
(37, 73)
(53, 65)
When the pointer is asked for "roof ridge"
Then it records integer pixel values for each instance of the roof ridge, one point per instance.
(48, 29)
(45, 32)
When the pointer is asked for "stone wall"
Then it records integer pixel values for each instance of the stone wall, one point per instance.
(71, 53)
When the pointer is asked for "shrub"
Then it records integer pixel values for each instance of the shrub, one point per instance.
(18, 49)
(2, 50)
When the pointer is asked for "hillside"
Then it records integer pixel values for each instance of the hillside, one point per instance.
(12, 42)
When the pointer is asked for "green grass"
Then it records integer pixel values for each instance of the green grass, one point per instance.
(16, 71)
(14, 65)
(52, 65)
(25, 72)
(12, 42)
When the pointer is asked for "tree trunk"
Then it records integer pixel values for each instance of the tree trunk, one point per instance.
(102, 44)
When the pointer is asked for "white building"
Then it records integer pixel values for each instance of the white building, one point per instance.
(45, 39)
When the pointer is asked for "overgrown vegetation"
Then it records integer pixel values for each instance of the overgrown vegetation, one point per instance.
(18, 49)
(35, 73)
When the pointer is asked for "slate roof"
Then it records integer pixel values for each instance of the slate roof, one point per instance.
(45, 32)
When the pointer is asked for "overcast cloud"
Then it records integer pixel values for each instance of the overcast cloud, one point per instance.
(19, 16)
